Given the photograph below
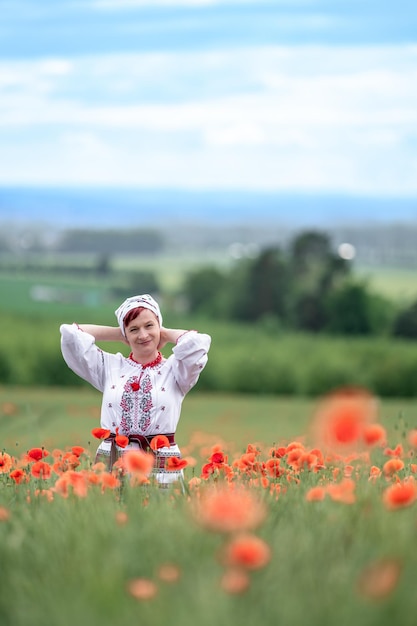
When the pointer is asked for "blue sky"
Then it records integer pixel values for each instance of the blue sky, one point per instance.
(311, 96)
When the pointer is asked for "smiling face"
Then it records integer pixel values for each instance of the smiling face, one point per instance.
(143, 334)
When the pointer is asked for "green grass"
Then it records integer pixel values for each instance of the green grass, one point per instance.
(56, 417)
(68, 561)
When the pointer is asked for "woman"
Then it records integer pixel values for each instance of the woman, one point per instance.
(142, 393)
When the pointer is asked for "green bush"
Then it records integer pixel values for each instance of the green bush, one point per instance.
(247, 358)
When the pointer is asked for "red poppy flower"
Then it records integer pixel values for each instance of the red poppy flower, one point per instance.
(101, 433)
(400, 494)
(341, 418)
(18, 475)
(225, 509)
(4, 514)
(169, 573)
(122, 441)
(412, 438)
(273, 467)
(5, 462)
(374, 434)
(218, 458)
(235, 580)
(41, 469)
(77, 450)
(109, 481)
(137, 462)
(175, 464)
(142, 588)
(36, 454)
(379, 579)
(316, 494)
(247, 551)
(393, 466)
(159, 441)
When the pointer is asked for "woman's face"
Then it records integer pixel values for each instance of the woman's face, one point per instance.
(143, 334)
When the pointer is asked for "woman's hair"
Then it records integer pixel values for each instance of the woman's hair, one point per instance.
(133, 314)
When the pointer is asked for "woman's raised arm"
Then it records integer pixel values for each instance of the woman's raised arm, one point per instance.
(103, 333)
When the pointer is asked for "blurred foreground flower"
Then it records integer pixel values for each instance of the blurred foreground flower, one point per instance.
(169, 573)
(142, 588)
(246, 551)
(4, 514)
(227, 509)
(137, 462)
(342, 420)
(400, 494)
(235, 580)
(379, 579)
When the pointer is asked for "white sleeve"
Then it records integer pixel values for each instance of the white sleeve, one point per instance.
(190, 357)
(82, 355)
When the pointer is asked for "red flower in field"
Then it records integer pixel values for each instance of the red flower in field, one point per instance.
(6, 462)
(137, 462)
(340, 420)
(412, 438)
(374, 434)
(207, 470)
(18, 475)
(109, 481)
(122, 441)
(77, 450)
(122, 518)
(194, 483)
(235, 580)
(247, 551)
(223, 509)
(400, 494)
(36, 454)
(75, 480)
(159, 441)
(217, 457)
(342, 492)
(374, 473)
(175, 464)
(397, 451)
(71, 461)
(4, 514)
(278, 452)
(101, 433)
(273, 467)
(142, 588)
(379, 579)
(41, 469)
(169, 573)
(393, 466)
(316, 494)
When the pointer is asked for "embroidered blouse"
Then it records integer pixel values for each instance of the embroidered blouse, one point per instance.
(136, 399)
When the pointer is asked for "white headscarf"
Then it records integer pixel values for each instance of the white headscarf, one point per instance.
(132, 303)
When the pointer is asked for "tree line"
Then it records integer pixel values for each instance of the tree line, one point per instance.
(305, 287)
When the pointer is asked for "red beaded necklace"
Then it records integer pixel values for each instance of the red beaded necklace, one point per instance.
(151, 363)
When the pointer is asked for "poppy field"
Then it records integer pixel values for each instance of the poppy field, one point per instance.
(315, 524)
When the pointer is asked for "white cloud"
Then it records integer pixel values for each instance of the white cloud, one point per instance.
(272, 118)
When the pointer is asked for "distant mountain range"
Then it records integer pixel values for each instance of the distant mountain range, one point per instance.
(124, 208)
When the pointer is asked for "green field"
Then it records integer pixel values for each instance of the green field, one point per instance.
(56, 417)
(97, 555)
